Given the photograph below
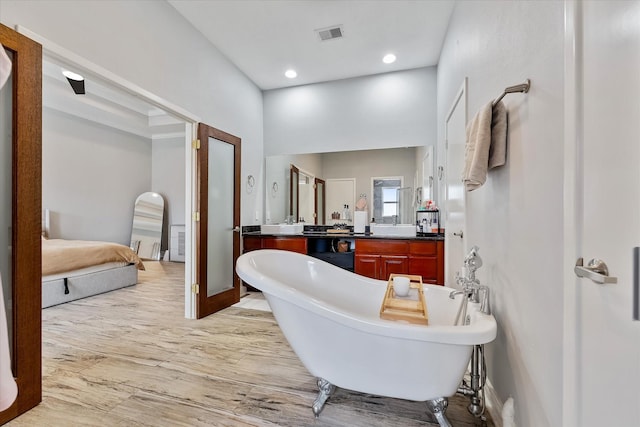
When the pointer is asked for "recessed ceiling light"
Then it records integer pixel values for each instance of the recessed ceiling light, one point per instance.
(73, 76)
(389, 58)
(291, 74)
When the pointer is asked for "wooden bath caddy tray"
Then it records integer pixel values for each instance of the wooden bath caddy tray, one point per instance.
(412, 308)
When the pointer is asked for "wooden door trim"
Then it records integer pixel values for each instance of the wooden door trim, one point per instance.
(294, 186)
(26, 260)
(231, 296)
(319, 219)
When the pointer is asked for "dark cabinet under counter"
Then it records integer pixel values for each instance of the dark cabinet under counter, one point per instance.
(339, 259)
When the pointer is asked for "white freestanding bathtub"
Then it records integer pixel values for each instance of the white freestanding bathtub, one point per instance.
(331, 318)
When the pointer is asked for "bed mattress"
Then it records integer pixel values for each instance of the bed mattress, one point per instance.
(73, 285)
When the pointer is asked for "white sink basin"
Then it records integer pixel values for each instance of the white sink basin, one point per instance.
(405, 230)
(282, 228)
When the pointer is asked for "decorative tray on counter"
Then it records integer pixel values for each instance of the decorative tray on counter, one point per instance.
(411, 308)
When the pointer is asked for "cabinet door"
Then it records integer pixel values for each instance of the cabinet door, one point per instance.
(424, 266)
(293, 244)
(393, 264)
(367, 265)
(251, 243)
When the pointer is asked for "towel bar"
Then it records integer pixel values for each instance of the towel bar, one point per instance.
(524, 88)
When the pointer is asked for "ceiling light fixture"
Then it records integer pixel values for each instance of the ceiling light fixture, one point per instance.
(291, 74)
(389, 58)
(76, 81)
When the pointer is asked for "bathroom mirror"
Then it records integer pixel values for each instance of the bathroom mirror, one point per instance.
(146, 233)
(357, 166)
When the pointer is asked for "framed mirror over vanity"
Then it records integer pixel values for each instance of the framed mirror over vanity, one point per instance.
(316, 186)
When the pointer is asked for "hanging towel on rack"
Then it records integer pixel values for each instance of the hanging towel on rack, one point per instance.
(498, 148)
(5, 66)
(486, 146)
(476, 151)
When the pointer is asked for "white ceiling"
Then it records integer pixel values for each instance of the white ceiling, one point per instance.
(264, 38)
(106, 105)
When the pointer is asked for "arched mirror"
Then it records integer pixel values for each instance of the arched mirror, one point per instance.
(146, 233)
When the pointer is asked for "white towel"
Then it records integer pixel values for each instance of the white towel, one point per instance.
(5, 66)
(476, 151)
(486, 146)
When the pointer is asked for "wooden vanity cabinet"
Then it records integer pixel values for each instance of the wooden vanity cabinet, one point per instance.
(427, 260)
(293, 244)
(251, 243)
(378, 258)
(375, 258)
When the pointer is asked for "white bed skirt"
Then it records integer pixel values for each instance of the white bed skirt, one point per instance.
(85, 283)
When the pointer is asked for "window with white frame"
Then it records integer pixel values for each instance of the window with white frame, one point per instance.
(385, 198)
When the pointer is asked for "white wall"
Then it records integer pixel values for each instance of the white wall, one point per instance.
(152, 46)
(91, 176)
(516, 217)
(386, 110)
(168, 179)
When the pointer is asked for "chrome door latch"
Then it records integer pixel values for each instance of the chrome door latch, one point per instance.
(595, 270)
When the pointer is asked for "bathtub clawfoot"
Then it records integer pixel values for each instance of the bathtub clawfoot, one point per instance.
(326, 390)
(438, 408)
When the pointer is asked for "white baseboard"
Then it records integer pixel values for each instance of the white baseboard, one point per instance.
(493, 404)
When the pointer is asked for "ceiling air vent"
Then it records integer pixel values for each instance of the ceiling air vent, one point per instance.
(330, 33)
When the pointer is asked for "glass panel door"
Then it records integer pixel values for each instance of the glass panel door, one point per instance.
(218, 231)
(220, 217)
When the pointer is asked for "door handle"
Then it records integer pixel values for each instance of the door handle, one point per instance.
(595, 270)
(236, 229)
(636, 283)
(459, 234)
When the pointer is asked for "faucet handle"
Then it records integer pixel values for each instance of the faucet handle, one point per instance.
(485, 306)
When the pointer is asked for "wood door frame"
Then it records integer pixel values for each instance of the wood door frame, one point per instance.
(26, 260)
(461, 96)
(205, 304)
(320, 213)
(294, 186)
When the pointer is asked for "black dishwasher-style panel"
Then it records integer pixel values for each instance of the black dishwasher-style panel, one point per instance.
(339, 259)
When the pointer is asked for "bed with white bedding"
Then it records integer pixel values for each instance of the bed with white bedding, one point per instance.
(74, 269)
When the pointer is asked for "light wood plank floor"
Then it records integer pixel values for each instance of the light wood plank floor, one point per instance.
(129, 358)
